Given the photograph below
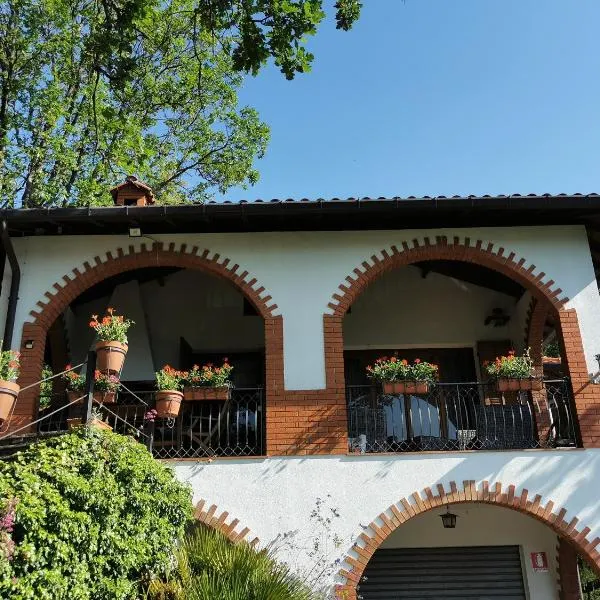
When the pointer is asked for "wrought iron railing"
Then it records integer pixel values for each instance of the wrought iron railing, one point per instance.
(202, 429)
(460, 416)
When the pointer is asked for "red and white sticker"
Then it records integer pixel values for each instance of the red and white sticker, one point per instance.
(539, 562)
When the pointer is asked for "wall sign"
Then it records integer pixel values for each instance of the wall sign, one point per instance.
(539, 562)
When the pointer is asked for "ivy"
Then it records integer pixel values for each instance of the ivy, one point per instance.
(95, 515)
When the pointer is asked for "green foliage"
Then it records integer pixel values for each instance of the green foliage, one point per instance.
(272, 28)
(511, 366)
(111, 328)
(395, 369)
(95, 514)
(9, 365)
(551, 349)
(209, 566)
(89, 95)
(46, 388)
(209, 375)
(93, 91)
(169, 378)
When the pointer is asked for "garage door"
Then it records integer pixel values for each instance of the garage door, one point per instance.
(477, 573)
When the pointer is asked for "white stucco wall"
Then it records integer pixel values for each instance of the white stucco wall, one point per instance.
(301, 271)
(402, 309)
(277, 495)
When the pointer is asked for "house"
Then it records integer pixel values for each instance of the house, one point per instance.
(301, 296)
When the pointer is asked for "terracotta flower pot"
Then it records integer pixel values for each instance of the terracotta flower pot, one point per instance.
(72, 396)
(405, 387)
(9, 390)
(168, 403)
(105, 397)
(100, 424)
(110, 356)
(509, 384)
(206, 393)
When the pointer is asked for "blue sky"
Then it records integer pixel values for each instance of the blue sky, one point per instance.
(438, 97)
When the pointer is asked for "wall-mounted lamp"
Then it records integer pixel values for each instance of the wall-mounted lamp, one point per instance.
(29, 344)
(135, 232)
(448, 519)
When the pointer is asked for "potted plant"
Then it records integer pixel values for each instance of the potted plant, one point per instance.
(96, 420)
(9, 388)
(513, 373)
(398, 376)
(169, 382)
(106, 386)
(111, 346)
(75, 383)
(208, 382)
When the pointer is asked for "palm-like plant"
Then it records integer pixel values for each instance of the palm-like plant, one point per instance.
(209, 566)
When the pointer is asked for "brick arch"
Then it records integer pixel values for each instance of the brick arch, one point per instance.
(506, 496)
(221, 522)
(460, 249)
(112, 263)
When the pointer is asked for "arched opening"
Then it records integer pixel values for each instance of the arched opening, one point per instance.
(183, 317)
(459, 315)
(490, 518)
(493, 552)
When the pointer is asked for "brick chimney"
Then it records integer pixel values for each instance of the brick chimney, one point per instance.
(132, 192)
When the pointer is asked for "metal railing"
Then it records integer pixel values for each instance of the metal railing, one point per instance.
(460, 416)
(202, 429)
(235, 427)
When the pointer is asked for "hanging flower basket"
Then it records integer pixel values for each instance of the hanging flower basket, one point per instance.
(509, 384)
(207, 393)
(9, 390)
(405, 387)
(110, 356)
(168, 403)
(111, 347)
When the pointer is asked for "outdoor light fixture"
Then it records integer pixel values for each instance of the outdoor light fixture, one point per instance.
(29, 344)
(135, 232)
(448, 519)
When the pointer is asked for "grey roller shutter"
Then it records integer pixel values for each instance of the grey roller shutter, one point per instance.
(474, 573)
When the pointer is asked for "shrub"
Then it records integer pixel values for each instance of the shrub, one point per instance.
(211, 567)
(94, 514)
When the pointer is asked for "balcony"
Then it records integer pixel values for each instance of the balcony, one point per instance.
(203, 429)
(460, 416)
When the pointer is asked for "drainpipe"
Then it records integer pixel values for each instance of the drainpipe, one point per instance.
(15, 283)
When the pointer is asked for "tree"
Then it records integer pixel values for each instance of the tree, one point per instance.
(93, 91)
(87, 516)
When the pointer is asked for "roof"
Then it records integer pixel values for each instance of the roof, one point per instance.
(132, 180)
(312, 215)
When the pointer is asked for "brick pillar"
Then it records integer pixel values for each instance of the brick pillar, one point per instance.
(306, 421)
(586, 394)
(568, 573)
(32, 361)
